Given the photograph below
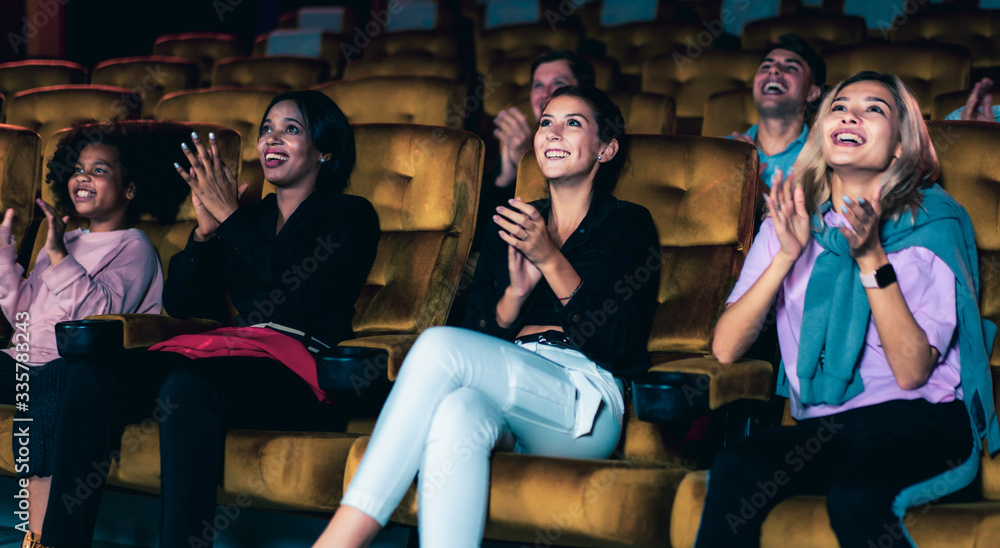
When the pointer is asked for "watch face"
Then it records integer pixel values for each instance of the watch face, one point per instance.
(885, 276)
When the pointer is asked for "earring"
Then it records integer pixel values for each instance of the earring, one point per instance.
(322, 160)
(598, 157)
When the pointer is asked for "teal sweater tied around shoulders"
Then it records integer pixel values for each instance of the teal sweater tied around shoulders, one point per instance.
(835, 320)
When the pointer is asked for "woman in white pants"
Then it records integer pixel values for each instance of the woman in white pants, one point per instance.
(557, 322)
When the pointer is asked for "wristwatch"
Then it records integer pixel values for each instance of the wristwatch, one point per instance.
(884, 276)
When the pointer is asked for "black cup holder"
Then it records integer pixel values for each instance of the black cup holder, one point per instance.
(664, 396)
(83, 338)
(352, 369)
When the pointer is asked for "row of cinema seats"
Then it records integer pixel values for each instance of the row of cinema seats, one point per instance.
(424, 183)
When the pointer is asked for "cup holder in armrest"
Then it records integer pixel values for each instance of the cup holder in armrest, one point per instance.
(83, 338)
(352, 369)
(667, 396)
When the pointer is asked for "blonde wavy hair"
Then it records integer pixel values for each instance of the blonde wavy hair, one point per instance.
(916, 168)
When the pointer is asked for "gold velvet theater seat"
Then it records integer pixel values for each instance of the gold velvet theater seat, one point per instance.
(18, 76)
(50, 109)
(331, 47)
(978, 31)
(700, 192)
(729, 111)
(20, 163)
(927, 69)
(646, 113)
(691, 80)
(633, 44)
(424, 183)
(404, 64)
(204, 47)
(432, 44)
(823, 32)
(237, 108)
(152, 77)
(972, 176)
(400, 100)
(270, 72)
(509, 83)
(522, 42)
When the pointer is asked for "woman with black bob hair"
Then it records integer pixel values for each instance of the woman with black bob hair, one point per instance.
(260, 374)
(530, 372)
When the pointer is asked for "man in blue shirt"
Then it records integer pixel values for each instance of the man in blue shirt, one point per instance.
(789, 80)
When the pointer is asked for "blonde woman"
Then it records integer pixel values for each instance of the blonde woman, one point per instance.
(872, 267)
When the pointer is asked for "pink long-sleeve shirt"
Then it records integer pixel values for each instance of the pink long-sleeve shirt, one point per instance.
(104, 273)
(928, 286)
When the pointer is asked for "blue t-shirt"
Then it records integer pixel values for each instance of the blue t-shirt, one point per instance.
(783, 160)
(957, 114)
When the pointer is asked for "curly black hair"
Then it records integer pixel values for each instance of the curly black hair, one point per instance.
(147, 151)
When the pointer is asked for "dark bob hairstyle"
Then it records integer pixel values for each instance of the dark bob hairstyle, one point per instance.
(147, 151)
(330, 132)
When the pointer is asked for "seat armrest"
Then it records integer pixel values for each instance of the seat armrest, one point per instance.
(396, 347)
(141, 330)
(681, 389)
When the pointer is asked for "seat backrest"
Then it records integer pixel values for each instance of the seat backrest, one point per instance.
(822, 31)
(970, 172)
(518, 71)
(20, 163)
(18, 76)
(270, 72)
(167, 238)
(403, 64)
(729, 111)
(312, 43)
(204, 47)
(236, 108)
(946, 103)
(927, 69)
(634, 43)
(433, 44)
(647, 113)
(400, 100)
(690, 81)
(700, 192)
(522, 42)
(50, 109)
(424, 183)
(978, 31)
(150, 76)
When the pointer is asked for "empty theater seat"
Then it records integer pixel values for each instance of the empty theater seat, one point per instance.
(312, 43)
(204, 47)
(634, 44)
(404, 65)
(400, 99)
(823, 32)
(522, 42)
(646, 113)
(271, 72)
(18, 76)
(20, 163)
(150, 76)
(729, 111)
(978, 31)
(927, 69)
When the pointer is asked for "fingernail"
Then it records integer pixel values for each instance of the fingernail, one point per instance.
(211, 136)
(846, 199)
(844, 209)
(184, 146)
(861, 201)
(194, 135)
(176, 165)
(496, 217)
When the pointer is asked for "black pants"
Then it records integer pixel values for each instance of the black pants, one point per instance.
(194, 402)
(41, 398)
(859, 459)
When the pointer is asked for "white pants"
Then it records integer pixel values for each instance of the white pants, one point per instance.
(459, 395)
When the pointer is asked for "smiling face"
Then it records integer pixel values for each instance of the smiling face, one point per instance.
(567, 143)
(783, 84)
(861, 131)
(549, 77)
(96, 187)
(285, 147)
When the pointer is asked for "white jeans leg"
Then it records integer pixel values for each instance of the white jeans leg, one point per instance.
(533, 395)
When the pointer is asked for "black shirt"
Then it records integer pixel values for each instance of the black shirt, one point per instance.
(610, 316)
(307, 277)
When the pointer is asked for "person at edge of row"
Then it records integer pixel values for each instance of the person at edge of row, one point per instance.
(525, 376)
(205, 384)
(551, 71)
(979, 106)
(105, 268)
(788, 82)
(874, 270)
